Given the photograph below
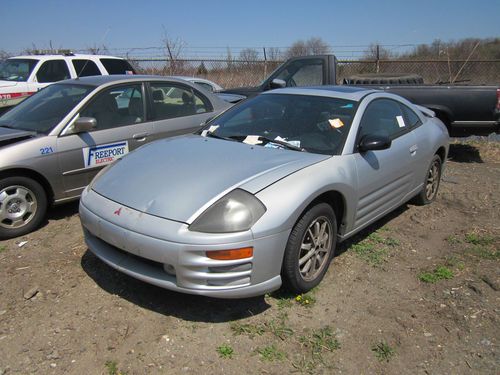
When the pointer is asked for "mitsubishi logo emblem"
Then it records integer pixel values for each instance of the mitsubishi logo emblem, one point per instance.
(118, 211)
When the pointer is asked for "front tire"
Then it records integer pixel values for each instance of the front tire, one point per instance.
(23, 204)
(431, 184)
(309, 249)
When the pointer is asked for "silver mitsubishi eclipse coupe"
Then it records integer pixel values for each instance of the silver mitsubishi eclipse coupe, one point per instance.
(262, 194)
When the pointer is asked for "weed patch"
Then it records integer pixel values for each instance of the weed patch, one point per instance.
(225, 351)
(374, 248)
(307, 299)
(248, 329)
(383, 351)
(112, 368)
(271, 353)
(320, 340)
(439, 273)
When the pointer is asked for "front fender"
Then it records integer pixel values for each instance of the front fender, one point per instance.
(288, 198)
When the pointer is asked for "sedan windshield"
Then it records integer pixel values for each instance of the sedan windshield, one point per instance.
(45, 109)
(309, 123)
(17, 70)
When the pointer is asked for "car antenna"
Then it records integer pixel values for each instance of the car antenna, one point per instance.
(86, 62)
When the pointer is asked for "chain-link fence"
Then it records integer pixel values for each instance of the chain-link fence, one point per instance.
(237, 73)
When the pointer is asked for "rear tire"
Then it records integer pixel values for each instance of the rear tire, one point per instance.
(431, 183)
(309, 249)
(23, 204)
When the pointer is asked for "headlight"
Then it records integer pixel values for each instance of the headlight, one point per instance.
(236, 211)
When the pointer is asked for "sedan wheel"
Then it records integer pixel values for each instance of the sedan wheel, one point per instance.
(315, 249)
(431, 183)
(310, 249)
(22, 206)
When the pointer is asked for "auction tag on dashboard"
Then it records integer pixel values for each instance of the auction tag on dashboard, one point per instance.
(336, 123)
(104, 154)
(252, 140)
(401, 121)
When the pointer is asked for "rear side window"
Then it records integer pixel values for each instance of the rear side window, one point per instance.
(85, 68)
(206, 86)
(52, 71)
(171, 101)
(17, 70)
(411, 117)
(117, 66)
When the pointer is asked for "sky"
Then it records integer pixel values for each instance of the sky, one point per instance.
(348, 26)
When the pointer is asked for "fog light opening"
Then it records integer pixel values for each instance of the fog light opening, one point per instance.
(231, 254)
(169, 269)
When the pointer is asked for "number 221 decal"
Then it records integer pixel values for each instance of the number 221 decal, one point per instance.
(46, 150)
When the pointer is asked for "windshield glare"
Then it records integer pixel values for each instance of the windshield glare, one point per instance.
(17, 70)
(45, 109)
(314, 123)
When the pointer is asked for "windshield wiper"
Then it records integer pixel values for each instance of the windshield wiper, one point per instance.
(6, 126)
(213, 135)
(281, 143)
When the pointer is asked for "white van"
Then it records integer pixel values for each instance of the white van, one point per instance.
(22, 76)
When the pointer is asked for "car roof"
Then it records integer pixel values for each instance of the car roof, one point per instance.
(119, 78)
(76, 55)
(342, 92)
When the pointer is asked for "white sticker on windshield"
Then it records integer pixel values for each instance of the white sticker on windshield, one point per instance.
(104, 154)
(336, 123)
(252, 140)
(401, 121)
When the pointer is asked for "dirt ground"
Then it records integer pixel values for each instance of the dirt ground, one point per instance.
(416, 293)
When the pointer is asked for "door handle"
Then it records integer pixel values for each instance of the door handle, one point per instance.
(413, 149)
(140, 136)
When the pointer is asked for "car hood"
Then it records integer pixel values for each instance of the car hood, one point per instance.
(7, 84)
(9, 136)
(178, 178)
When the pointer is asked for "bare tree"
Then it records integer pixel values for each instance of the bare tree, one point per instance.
(249, 55)
(298, 48)
(377, 52)
(273, 54)
(97, 49)
(4, 55)
(312, 46)
(174, 48)
(317, 46)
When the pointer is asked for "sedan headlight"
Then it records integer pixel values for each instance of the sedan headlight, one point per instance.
(235, 212)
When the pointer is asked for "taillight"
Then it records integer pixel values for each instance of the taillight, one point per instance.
(498, 99)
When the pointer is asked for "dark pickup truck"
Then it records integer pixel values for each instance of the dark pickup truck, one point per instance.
(465, 110)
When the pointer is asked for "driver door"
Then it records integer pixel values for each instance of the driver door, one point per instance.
(121, 128)
(385, 177)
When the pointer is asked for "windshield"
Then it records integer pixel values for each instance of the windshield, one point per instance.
(17, 70)
(45, 109)
(301, 122)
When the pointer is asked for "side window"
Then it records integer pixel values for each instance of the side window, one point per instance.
(206, 86)
(411, 117)
(171, 101)
(116, 106)
(117, 66)
(85, 68)
(303, 73)
(52, 71)
(382, 117)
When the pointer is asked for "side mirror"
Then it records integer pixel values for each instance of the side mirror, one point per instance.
(373, 142)
(84, 124)
(277, 84)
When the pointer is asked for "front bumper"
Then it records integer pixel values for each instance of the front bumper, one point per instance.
(165, 253)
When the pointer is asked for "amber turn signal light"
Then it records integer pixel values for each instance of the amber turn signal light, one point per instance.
(232, 254)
